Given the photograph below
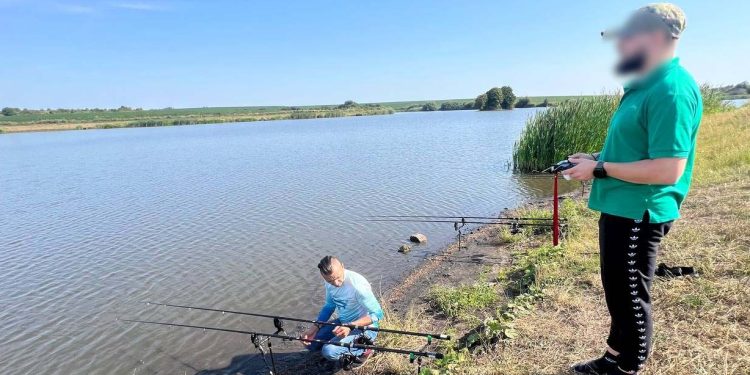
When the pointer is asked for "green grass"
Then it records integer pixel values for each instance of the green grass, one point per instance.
(456, 301)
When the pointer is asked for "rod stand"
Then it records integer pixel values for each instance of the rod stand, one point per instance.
(555, 212)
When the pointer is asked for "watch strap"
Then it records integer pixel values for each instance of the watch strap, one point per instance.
(599, 171)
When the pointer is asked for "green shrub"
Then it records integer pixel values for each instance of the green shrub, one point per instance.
(431, 106)
(713, 99)
(524, 102)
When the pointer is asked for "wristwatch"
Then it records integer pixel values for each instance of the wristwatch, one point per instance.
(599, 171)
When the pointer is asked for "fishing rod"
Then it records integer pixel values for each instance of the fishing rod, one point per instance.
(278, 322)
(364, 342)
(463, 222)
(461, 217)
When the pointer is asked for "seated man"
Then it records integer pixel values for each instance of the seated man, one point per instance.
(348, 293)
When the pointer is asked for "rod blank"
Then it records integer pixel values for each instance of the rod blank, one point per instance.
(459, 217)
(439, 336)
(521, 224)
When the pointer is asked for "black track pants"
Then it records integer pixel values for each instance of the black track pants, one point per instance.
(628, 259)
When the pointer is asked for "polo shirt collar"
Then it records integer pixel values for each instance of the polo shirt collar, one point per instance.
(653, 75)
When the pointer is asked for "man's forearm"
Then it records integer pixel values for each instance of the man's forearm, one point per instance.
(663, 171)
(363, 321)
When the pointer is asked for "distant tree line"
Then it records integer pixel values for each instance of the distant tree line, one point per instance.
(525, 102)
(494, 99)
(740, 89)
(447, 106)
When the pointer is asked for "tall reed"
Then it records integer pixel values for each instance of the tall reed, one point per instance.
(713, 99)
(578, 125)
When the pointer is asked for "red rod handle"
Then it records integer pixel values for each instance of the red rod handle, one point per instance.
(555, 214)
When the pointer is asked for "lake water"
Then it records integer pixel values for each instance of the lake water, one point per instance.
(737, 102)
(235, 216)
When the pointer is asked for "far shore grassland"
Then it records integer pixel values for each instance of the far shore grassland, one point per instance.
(51, 120)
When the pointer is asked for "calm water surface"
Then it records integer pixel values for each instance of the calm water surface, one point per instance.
(233, 216)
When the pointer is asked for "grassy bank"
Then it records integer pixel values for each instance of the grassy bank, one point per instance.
(543, 308)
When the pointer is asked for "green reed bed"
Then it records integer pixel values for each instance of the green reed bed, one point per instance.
(552, 135)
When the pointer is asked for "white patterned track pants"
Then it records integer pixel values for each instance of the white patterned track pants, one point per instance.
(628, 260)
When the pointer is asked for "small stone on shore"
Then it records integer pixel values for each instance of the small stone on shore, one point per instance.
(404, 249)
(418, 238)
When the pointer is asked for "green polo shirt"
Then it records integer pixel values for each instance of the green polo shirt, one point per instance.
(658, 117)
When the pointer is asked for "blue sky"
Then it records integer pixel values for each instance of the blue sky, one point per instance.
(225, 53)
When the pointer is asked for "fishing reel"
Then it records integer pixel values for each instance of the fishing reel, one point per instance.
(561, 166)
(515, 227)
(349, 360)
(364, 340)
(279, 324)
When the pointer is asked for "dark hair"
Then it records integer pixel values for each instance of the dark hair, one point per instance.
(326, 264)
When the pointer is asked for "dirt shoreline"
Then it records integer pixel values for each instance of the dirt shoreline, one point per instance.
(478, 247)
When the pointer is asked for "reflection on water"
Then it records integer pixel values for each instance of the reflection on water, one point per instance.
(540, 185)
(234, 216)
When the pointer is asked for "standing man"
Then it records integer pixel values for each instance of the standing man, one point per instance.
(349, 294)
(640, 178)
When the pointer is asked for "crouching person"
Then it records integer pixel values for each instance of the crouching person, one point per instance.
(350, 295)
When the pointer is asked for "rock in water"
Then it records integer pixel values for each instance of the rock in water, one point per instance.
(418, 238)
(404, 249)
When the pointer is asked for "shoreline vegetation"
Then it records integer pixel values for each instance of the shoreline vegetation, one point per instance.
(510, 298)
(14, 120)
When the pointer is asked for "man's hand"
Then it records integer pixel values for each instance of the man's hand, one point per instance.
(341, 331)
(309, 335)
(583, 171)
(581, 155)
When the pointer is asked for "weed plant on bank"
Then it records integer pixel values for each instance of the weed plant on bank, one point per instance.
(574, 125)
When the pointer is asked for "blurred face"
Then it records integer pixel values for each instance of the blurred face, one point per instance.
(636, 51)
(336, 278)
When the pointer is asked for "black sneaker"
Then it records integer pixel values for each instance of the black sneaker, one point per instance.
(360, 361)
(599, 366)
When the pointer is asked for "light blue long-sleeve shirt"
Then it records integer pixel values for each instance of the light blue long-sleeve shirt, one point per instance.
(353, 300)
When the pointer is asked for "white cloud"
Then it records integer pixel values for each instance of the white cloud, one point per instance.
(75, 8)
(142, 6)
